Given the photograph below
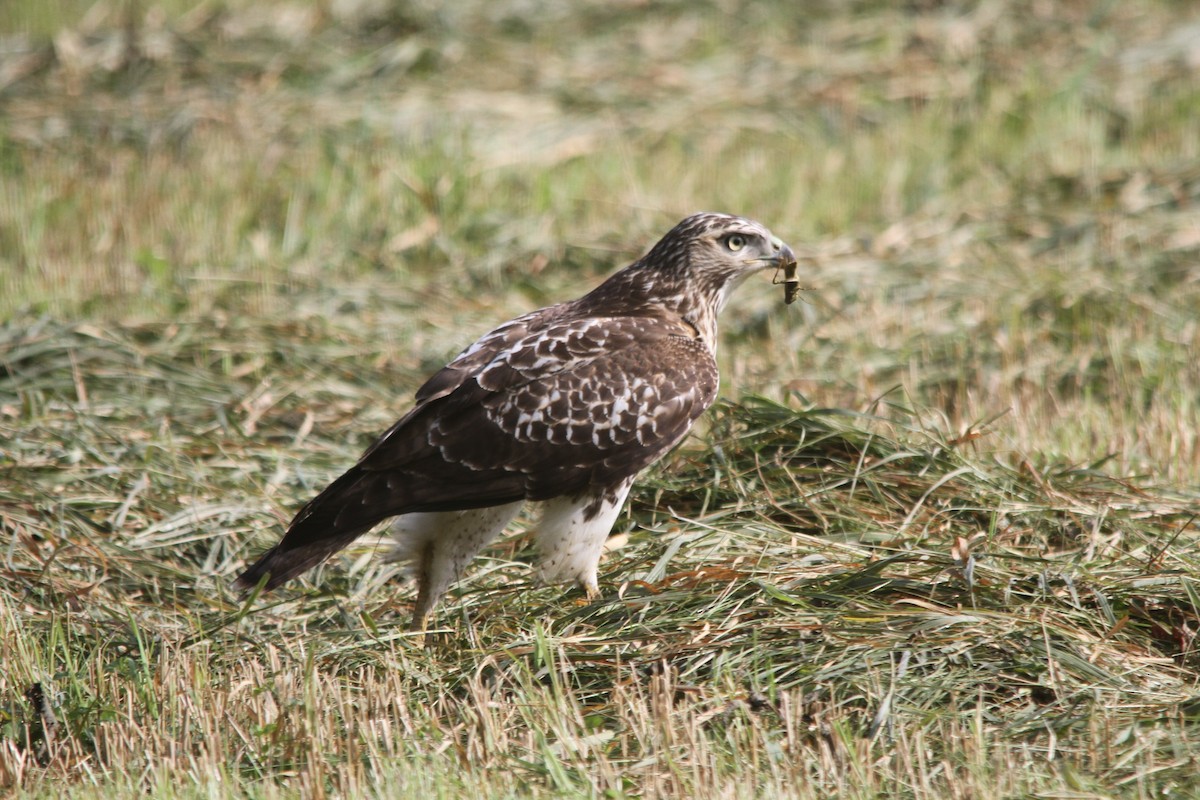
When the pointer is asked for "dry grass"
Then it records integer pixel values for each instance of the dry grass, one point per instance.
(944, 545)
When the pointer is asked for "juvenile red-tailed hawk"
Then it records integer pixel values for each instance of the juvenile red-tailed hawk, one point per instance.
(564, 406)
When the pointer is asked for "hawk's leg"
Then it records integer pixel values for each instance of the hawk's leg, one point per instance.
(572, 532)
(441, 545)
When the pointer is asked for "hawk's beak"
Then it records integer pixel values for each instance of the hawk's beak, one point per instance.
(782, 257)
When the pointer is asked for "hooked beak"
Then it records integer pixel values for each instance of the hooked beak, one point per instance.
(785, 256)
(782, 257)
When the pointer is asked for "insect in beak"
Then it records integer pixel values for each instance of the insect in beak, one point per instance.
(791, 283)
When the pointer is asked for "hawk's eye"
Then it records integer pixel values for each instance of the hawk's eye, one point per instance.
(735, 242)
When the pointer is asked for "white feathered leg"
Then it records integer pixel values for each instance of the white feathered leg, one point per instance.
(571, 535)
(441, 544)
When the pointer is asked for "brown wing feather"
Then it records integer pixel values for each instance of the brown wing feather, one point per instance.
(579, 403)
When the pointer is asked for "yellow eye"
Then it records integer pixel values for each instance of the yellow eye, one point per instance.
(735, 242)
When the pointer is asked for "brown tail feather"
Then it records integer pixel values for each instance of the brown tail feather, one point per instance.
(329, 522)
(282, 563)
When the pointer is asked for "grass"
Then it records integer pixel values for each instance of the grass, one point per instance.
(939, 541)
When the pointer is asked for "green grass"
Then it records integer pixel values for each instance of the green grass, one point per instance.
(940, 541)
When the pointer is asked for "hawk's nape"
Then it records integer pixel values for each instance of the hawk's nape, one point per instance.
(563, 406)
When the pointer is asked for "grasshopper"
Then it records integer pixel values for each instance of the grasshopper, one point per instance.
(791, 284)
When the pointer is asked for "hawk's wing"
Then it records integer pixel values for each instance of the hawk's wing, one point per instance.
(570, 405)
(579, 403)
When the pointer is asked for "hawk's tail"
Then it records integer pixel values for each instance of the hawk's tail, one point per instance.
(345, 510)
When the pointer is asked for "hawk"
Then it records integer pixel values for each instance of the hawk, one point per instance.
(563, 406)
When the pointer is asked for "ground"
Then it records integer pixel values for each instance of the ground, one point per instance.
(940, 539)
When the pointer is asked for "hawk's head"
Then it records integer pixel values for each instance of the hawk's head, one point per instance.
(716, 252)
(692, 270)
(722, 242)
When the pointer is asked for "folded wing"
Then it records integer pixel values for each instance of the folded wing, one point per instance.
(540, 408)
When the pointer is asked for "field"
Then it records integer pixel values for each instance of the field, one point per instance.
(940, 539)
